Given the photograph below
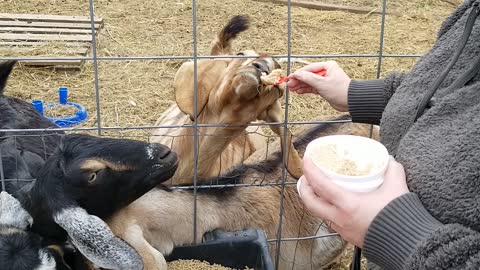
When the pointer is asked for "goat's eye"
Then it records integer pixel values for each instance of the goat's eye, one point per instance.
(93, 177)
(240, 53)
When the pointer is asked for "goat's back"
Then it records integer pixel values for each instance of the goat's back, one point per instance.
(23, 153)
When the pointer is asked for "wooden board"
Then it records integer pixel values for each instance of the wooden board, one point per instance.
(38, 44)
(33, 30)
(323, 6)
(68, 51)
(49, 25)
(31, 35)
(47, 18)
(46, 37)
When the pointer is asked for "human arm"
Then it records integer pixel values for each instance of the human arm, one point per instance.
(405, 236)
(365, 100)
(391, 225)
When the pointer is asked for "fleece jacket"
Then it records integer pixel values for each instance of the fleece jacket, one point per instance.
(437, 224)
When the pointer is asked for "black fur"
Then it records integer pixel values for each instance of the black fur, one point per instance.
(20, 167)
(5, 70)
(235, 25)
(62, 183)
(23, 153)
(19, 250)
(55, 160)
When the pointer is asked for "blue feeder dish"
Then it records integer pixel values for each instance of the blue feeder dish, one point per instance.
(80, 116)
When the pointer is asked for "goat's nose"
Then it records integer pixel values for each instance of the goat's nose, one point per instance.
(261, 65)
(160, 150)
(164, 152)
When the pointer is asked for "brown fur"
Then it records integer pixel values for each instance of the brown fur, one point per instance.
(161, 219)
(229, 93)
(94, 165)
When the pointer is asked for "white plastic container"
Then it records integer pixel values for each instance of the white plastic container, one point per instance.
(363, 161)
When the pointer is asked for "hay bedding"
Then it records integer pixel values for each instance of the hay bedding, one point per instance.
(60, 111)
(152, 28)
(134, 93)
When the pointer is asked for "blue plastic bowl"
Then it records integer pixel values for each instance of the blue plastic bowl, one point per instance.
(80, 116)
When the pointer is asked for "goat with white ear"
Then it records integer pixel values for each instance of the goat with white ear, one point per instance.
(87, 179)
(19, 248)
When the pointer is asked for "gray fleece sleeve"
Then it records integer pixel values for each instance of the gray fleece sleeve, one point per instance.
(367, 99)
(405, 236)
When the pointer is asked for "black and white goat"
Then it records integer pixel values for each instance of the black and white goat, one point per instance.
(19, 248)
(86, 180)
(80, 180)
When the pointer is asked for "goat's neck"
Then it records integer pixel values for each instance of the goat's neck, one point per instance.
(212, 141)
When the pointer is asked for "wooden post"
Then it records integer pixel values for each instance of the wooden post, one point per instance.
(322, 6)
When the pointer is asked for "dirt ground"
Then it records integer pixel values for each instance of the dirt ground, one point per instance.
(135, 92)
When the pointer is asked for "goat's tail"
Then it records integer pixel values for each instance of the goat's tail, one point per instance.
(223, 42)
(5, 69)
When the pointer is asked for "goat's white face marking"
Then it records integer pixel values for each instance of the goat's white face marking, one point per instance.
(249, 53)
(47, 262)
(96, 242)
(12, 212)
(270, 62)
(150, 150)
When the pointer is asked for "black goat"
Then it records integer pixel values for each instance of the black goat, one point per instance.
(87, 179)
(22, 153)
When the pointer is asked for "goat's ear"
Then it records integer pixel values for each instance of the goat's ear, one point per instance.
(274, 114)
(209, 73)
(59, 152)
(5, 69)
(94, 239)
(12, 213)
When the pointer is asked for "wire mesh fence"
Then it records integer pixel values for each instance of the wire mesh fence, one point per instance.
(10, 177)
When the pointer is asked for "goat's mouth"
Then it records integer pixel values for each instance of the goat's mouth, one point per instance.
(165, 169)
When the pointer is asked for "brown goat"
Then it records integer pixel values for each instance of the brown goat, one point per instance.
(162, 219)
(230, 93)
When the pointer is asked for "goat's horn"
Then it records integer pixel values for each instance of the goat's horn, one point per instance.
(274, 114)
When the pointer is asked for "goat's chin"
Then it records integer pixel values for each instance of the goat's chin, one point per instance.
(162, 174)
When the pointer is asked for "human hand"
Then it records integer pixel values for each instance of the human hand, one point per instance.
(333, 87)
(350, 213)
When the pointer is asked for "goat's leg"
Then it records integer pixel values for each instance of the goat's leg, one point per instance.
(152, 258)
(274, 114)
